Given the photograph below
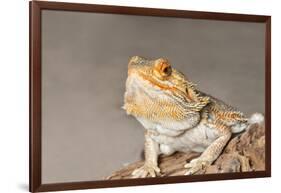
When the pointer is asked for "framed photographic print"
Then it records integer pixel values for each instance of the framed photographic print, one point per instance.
(123, 96)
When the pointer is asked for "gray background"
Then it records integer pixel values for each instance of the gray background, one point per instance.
(85, 133)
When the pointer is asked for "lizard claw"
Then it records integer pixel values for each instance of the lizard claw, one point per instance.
(145, 171)
(194, 166)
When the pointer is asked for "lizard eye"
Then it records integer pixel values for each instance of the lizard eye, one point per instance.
(162, 68)
(167, 70)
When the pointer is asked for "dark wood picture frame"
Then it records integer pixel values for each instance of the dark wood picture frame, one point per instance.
(35, 93)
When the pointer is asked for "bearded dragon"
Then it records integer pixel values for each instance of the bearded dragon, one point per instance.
(177, 116)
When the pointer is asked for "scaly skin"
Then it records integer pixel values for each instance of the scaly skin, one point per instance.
(174, 114)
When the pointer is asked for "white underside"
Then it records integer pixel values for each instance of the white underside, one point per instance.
(172, 139)
(172, 136)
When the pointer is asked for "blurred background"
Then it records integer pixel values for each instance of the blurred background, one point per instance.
(85, 133)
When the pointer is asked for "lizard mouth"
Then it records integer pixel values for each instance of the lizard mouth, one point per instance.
(158, 77)
(187, 89)
(184, 93)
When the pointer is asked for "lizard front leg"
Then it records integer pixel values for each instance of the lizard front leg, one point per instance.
(151, 152)
(212, 152)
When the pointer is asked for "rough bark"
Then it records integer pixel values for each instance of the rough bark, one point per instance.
(244, 152)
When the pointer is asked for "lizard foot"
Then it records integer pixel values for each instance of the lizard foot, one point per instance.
(145, 171)
(195, 165)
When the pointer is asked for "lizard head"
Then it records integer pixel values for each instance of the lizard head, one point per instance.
(159, 77)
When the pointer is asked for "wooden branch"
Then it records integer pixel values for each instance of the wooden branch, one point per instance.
(244, 152)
